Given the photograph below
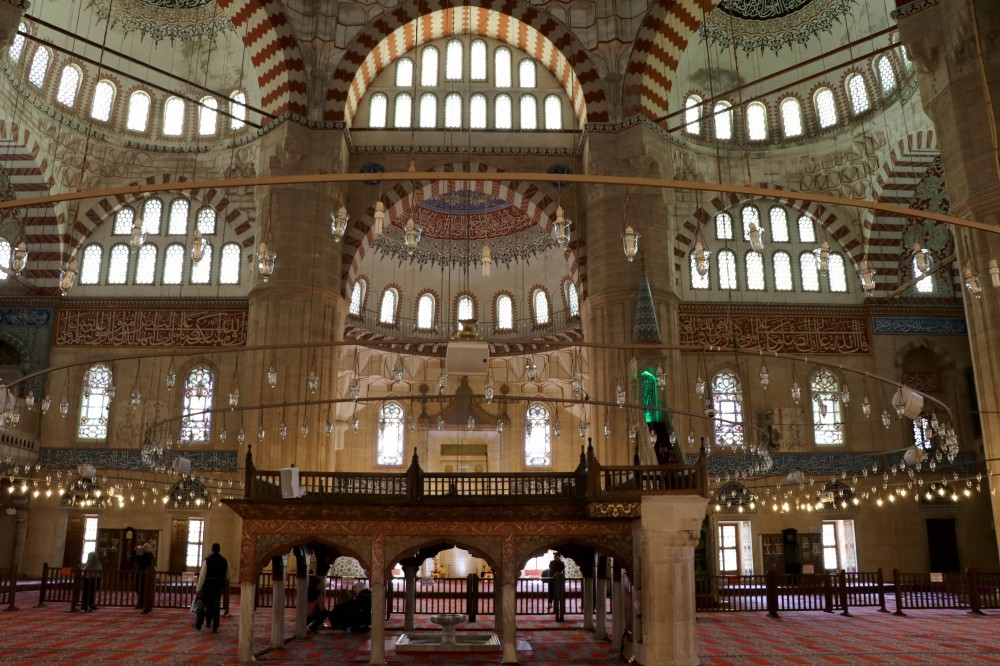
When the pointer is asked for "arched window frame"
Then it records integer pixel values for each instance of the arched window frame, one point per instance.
(502, 67)
(17, 44)
(504, 312)
(388, 306)
(836, 270)
(826, 107)
(201, 272)
(722, 114)
(426, 311)
(753, 265)
(95, 404)
(698, 281)
(429, 64)
(572, 298)
(537, 436)
(727, 398)
(454, 65)
(139, 104)
(173, 117)
(809, 272)
(465, 310)
(378, 111)
(503, 112)
(152, 216)
(391, 446)
(104, 100)
(69, 85)
(478, 112)
(428, 110)
(177, 221)
(402, 114)
(692, 115)
(781, 263)
(824, 388)
(90, 264)
(777, 218)
(553, 112)
(527, 73)
(230, 261)
(453, 111)
(791, 117)
(756, 116)
(528, 113)
(404, 73)
(857, 93)
(208, 116)
(39, 66)
(124, 219)
(358, 293)
(541, 308)
(173, 264)
(145, 265)
(885, 73)
(196, 411)
(478, 60)
(118, 264)
(726, 267)
(237, 110)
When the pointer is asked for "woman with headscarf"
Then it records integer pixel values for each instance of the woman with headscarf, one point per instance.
(91, 581)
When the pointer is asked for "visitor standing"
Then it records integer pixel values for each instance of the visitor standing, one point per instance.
(91, 581)
(212, 582)
(557, 585)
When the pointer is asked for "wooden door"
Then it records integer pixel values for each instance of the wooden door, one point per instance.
(73, 549)
(942, 544)
(178, 546)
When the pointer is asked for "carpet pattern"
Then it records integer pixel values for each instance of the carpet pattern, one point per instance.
(118, 636)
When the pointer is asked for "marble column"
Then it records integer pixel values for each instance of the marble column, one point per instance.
(601, 630)
(617, 609)
(17, 547)
(248, 594)
(378, 623)
(665, 536)
(277, 602)
(953, 46)
(588, 603)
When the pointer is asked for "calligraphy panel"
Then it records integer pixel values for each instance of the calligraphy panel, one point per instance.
(147, 327)
(799, 331)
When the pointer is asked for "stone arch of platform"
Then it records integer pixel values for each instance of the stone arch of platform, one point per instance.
(267, 546)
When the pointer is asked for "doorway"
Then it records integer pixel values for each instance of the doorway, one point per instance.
(942, 545)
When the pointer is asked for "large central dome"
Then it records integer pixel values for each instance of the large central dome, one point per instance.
(469, 215)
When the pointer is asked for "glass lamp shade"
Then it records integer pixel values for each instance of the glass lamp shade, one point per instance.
(489, 392)
(487, 261)
(561, 228)
(866, 407)
(867, 275)
(823, 257)
(576, 384)
(796, 392)
(46, 404)
(619, 395)
(379, 218)
(765, 376)
(312, 381)
(197, 247)
(972, 281)
(411, 236)
(397, 373)
(21, 258)
(661, 377)
(67, 277)
(137, 237)
(338, 223)
(630, 243)
(756, 237)
(699, 387)
(920, 258)
(994, 272)
(701, 259)
(845, 395)
(234, 398)
(265, 261)
(272, 376)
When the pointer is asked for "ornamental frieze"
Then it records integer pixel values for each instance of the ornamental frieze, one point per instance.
(614, 510)
(139, 327)
(798, 331)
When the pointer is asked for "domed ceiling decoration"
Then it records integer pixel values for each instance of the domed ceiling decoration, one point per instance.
(771, 24)
(184, 20)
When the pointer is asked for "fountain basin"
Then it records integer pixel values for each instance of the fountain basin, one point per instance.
(448, 640)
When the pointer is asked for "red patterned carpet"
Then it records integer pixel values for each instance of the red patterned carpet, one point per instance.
(110, 636)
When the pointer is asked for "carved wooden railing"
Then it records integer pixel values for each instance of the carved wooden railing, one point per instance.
(591, 482)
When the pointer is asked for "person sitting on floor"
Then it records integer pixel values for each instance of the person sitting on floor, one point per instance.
(354, 614)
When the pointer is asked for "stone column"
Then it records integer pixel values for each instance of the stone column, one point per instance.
(953, 46)
(277, 602)
(509, 621)
(378, 623)
(617, 609)
(665, 536)
(588, 603)
(10, 15)
(410, 578)
(601, 631)
(17, 547)
(248, 594)
(302, 590)
(608, 312)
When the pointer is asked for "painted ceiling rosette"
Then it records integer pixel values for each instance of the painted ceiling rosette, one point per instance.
(771, 24)
(184, 20)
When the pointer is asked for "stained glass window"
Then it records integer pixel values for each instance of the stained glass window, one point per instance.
(723, 114)
(118, 264)
(208, 116)
(826, 107)
(95, 403)
(828, 429)
(196, 418)
(808, 271)
(39, 67)
(537, 437)
(755, 271)
(69, 85)
(138, 111)
(357, 297)
(391, 430)
(387, 313)
(791, 117)
(541, 302)
(723, 226)
(505, 312)
(145, 265)
(778, 219)
(756, 121)
(692, 115)
(553, 113)
(173, 117)
(229, 264)
(104, 97)
(425, 311)
(858, 93)
(529, 112)
(727, 269)
(90, 266)
(173, 264)
(782, 271)
(727, 397)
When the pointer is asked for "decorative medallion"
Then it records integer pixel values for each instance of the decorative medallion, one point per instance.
(505, 250)
(771, 24)
(186, 20)
(467, 215)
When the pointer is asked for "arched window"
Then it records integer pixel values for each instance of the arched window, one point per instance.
(465, 310)
(807, 230)
(95, 403)
(905, 57)
(357, 298)
(428, 110)
(529, 112)
(453, 111)
(173, 117)
(205, 221)
(723, 115)
(454, 63)
(808, 271)
(837, 273)
(553, 113)
(727, 396)
(692, 115)
(145, 264)
(429, 66)
(572, 299)
(503, 112)
(178, 222)
(926, 284)
(778, 219)
(387, 311)
(90, 266)
(378, 110)
(39, 67)
(152, 216)
(477, 60)
(238, 110)
(756, 121)
(477, 111)
(791, 117)
(391, 428)
(201, 272)
(104, 97)
(886, 74)
(404, 73)
(698, 281)
(727, 269)
(526, 74)
(828, 429)
(17, 45)
(118, 264)
(723, 226)
(540, 301)
(124, 219)
(502, 68)
(5, 257)
(403, 111)
(749, 215)
(782, 263)
(505, 312)
(857, 91)
(208, 116)
(826, 108)
(196, 418)
(754, 263)
(537, 436)
(138, 111)
(229, 264)
(69, 85)
(173, 264)
(425, 312)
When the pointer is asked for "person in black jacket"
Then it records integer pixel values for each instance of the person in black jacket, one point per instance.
(143, 558)
(212, 582)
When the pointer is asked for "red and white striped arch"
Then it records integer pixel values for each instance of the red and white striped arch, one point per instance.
(523, 27)
(274, 52)
(656, 52)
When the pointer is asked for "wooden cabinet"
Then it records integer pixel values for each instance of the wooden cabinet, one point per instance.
(809, 553)
(773, 553)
